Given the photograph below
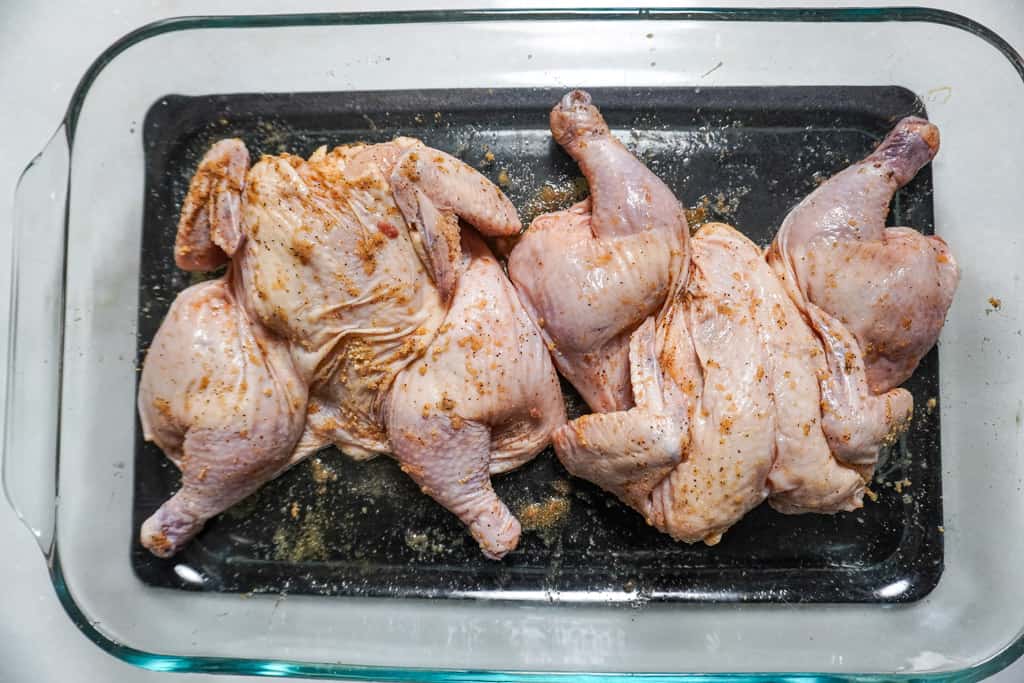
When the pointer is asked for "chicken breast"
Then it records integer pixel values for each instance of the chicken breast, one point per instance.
(731, 409)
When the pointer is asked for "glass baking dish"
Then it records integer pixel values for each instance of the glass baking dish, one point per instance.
(77, 256)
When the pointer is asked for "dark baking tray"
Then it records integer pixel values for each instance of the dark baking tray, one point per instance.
(335, 527)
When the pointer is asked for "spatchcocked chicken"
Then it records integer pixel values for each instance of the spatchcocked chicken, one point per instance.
(771, 378)
(355, 312)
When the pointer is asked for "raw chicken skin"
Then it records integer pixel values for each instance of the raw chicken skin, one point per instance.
(218, 392)
(890, 287)
(345, 270)
(732, 415)
(220, 397)
(484, 399)
(332, 265)
(590, 275)
(796, 352)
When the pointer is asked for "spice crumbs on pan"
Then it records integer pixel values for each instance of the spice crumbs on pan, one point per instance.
(544, 515)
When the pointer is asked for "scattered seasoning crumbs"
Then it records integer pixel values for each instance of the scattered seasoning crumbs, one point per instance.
(871, 494)
(295, 510)
(503, 179)
(562, 487)
(942, 529)
(900, 485)
(995, 303)
(321, 472)
(544, 515)
(417, 541)
(931, 405)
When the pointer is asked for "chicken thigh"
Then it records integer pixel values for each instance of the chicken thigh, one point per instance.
(890, 287)
(484, 399)
(591, 274)
(220, 397)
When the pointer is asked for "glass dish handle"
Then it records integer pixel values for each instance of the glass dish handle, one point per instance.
(31, 419)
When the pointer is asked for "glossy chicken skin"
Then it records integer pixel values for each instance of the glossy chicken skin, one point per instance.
(591, 274)
(342, 254)
(220, 397)
(484, 399)
(730, 388)
(890, 287)
(694, 454)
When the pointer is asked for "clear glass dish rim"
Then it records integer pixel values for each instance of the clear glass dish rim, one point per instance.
(273, 667)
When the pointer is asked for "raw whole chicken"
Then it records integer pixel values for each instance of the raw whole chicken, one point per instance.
(348, 272)
(591, 274)
(751, 386)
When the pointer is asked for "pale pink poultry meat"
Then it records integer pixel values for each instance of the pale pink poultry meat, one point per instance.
(775, 373)
(220, 397)
(890, 287)
(218, 392)
(484, 399)
(346, 269)
(591, 274)
(355, 256)
(736, 409)
(331, 265)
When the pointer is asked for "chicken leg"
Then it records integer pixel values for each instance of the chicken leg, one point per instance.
(220, 397)
(591, 274)
(482, 400)
(891, 287)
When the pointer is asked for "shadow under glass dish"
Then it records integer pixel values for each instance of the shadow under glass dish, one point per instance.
(331, 526)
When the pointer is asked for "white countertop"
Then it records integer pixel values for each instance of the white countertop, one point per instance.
(45, 47)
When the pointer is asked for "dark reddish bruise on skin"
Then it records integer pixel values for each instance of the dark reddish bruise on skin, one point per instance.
(387, 230)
